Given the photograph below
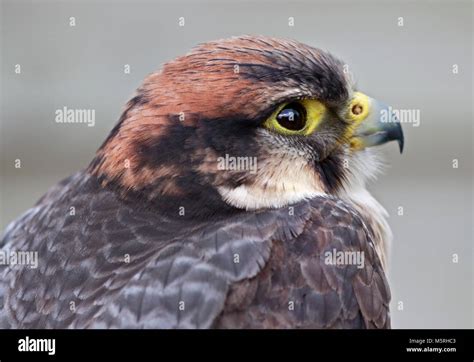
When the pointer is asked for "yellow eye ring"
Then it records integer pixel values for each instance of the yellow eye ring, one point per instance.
(359, 108)
(280, 121)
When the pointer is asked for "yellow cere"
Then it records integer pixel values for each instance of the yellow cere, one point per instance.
(358, 108)
(357, 111)
(314, 115)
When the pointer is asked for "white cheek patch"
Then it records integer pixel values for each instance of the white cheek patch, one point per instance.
(280, 182)
(254, 197)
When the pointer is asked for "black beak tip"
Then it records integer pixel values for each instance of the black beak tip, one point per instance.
(401, 143)
(396, 133)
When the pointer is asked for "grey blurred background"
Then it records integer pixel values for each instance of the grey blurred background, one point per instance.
(409, 67)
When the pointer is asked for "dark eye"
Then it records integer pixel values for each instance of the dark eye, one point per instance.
(292, 117)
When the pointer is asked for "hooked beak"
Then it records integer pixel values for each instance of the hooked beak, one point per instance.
(379, 126)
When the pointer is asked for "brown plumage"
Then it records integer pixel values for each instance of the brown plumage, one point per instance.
(296, 289)
(162, 237)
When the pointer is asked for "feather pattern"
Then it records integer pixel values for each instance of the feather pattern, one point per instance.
(115, 265)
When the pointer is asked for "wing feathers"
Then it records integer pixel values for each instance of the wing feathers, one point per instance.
(109, 264)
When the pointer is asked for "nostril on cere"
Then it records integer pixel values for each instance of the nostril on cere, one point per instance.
(357, 109)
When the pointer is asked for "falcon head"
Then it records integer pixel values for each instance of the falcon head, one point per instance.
(244, 123)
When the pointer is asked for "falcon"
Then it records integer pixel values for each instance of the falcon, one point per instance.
(230, 194)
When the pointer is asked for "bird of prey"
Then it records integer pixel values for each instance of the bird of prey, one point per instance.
(230, 194)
